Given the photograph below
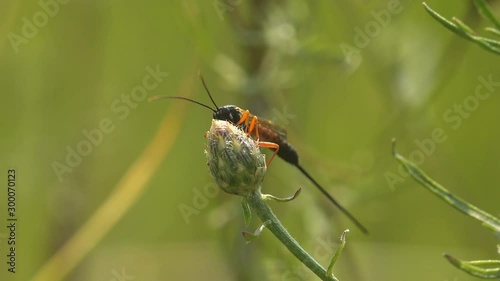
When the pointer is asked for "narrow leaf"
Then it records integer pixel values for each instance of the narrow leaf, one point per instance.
(337, 252)
(493, 30)
(247, 212)
(461, 25)
(446, 23)
(249, 236)
(461, 29)
(278, 199)
(484, 9)
(474, 270)
(463, 206)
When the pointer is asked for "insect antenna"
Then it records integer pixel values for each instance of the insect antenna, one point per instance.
(188, 99)
(206, 89)
(180, 98)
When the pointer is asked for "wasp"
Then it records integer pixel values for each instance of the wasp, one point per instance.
(268, 135)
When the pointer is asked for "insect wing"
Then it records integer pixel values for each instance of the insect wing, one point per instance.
(274, 127)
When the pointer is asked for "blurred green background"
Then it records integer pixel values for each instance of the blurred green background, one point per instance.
(343, 78)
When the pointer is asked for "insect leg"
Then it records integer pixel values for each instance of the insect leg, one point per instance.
(254, 125)
(271, 145)
(244, 117)
(250, 126)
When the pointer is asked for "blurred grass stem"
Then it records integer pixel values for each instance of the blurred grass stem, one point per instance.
(126, 193)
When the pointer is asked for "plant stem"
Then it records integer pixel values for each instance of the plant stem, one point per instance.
(266, 214)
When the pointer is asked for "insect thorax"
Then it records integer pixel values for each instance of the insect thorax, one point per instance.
(229, 113)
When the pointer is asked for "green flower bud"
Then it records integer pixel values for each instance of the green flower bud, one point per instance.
(234, 159)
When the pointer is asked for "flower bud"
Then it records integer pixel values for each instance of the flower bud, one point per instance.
(234, 159)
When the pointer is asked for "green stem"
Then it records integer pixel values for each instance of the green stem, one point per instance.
(265, 213)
